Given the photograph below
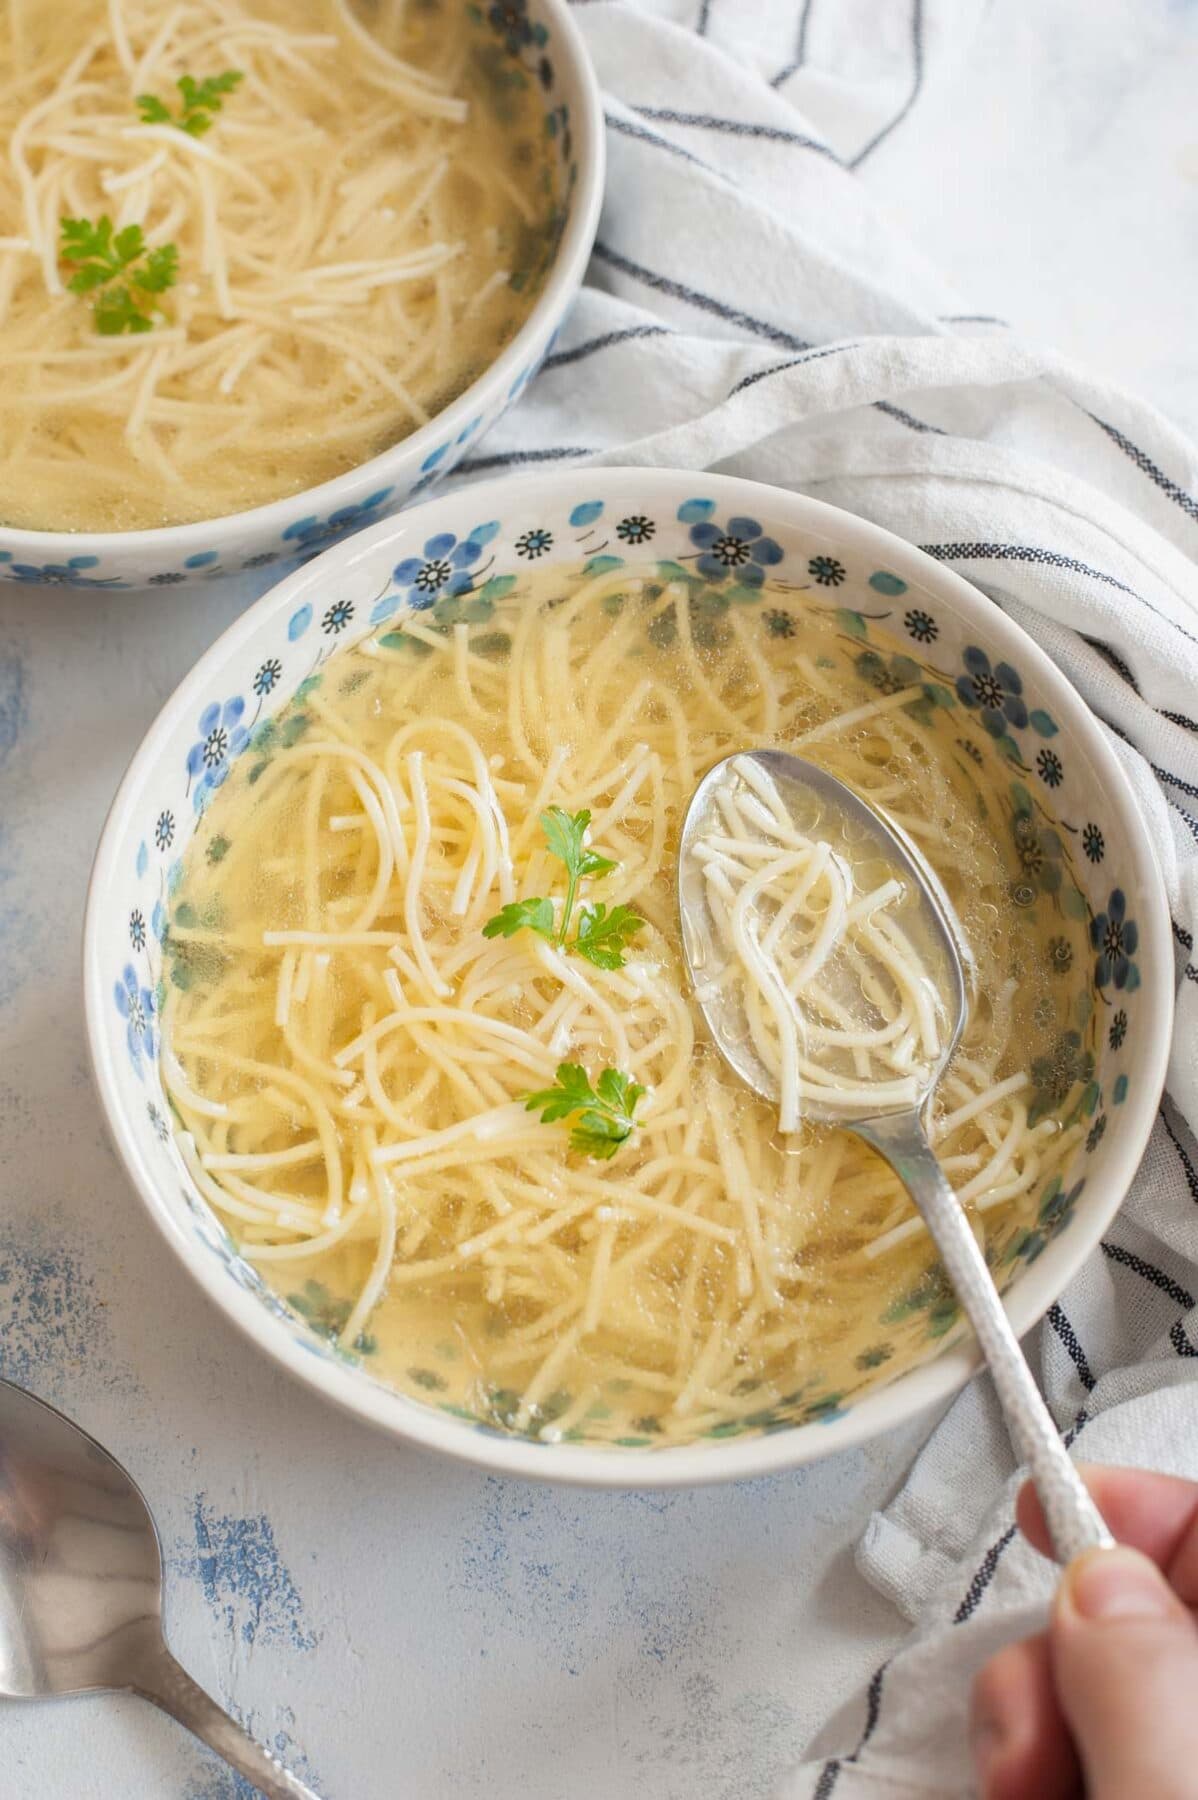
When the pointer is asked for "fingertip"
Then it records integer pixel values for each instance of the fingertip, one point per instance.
(1157, 1514)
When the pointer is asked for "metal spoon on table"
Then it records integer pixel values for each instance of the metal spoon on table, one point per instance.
(899, 1135)
(81, 1586)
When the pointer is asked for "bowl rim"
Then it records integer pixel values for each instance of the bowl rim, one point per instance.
(888, 1407)
(562, 283)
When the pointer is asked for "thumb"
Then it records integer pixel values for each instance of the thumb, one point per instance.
(1125, 1666)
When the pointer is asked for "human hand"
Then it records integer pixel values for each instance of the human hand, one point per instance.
(1105, 1702)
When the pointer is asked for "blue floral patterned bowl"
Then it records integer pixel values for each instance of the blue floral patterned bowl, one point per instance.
(548, 53)
(1093, 858)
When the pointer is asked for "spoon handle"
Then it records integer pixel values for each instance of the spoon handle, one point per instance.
(1074, 1522)
(167, 1684)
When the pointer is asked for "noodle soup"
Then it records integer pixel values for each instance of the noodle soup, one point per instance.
(247, 245)
(429, 1043)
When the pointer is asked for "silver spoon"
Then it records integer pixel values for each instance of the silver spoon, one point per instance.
(899, 1135)
(81, 1586)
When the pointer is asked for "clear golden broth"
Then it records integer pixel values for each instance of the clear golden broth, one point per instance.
(584, 678)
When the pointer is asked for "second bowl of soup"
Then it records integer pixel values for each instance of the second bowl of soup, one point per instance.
(270, 267)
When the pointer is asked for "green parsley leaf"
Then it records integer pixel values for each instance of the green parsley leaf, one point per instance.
(116, 312)
(201, 101)
(571, 1090)
(602, 936)
(119, 270)
(160, 271)
(152, 111)
(597, 1136)
(536, 914)
(603, 1114)
(619, 1091)
(565, 835)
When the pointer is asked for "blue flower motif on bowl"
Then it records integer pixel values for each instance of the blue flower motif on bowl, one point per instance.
(510, 19)
(136, 1006)
(72, 573)
(995, 691)
(446, 568)
(267, 677)
(1116, 938)
(337, 617)
(740, 548)
(222, 737)
(312, 534)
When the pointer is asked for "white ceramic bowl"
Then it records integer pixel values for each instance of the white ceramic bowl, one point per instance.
(968, 648)
(542, 37)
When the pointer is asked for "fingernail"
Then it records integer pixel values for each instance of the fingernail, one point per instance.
(1116, 1584)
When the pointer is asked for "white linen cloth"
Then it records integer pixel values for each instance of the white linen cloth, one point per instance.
(748, 309)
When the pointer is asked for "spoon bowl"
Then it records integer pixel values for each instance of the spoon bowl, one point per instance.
(81, 1586)
(818, 805)
(814, 797)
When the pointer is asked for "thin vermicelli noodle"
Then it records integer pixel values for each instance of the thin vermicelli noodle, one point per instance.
(349, 1055)
(804, 950)
(362, 228)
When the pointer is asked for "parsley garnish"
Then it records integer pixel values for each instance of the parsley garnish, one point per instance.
(603, 1114)
(602, 934)
(201, 101)
(536, 914)
(125, 277)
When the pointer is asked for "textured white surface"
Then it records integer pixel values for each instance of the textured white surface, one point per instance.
(410, 1627)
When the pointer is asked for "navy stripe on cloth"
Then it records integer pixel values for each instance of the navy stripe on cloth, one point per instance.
(1187, 1167)
(776, 134)
(1031, 553)
(830, 1772)
(1187, 943)
(916, 86)
(793, 362)
(762, 328)
(1068, 1337)
(1116, 662)
(1186, 787)
(1034, 553)
(800, 55)
(678, 290)
(473, 465)
(908, 419)
(642, 133)
(983, 1576)
(1144, 462)
(561, 359)
(1150, 1273)
(1187, 819)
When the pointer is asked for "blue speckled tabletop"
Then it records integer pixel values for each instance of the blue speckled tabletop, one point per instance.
(398, 1625)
